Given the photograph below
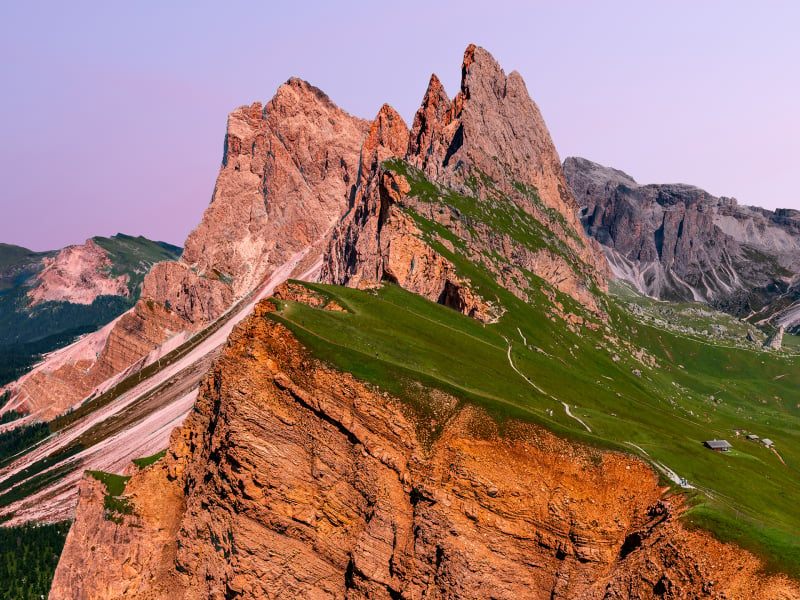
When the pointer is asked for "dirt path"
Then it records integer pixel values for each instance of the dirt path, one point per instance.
(525, 377)
(672, 475)
(569, 414)
(779, 456)
(540, 390)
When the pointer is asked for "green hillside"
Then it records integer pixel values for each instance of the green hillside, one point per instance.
(652, 387)
(18, 264)
(134, 256)
(27, 332)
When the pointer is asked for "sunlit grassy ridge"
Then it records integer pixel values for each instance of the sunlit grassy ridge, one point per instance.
(696, 390)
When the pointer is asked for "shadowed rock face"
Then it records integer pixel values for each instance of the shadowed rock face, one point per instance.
(292, 480)
(677, 242)
(490, 140)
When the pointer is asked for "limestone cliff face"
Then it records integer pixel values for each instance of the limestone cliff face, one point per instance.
(292, 480)
(79, 274)
(354, 254)
(678, 242)
(493, 130)
(489, 141)
(288, 173)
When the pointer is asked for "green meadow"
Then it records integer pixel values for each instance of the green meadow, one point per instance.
(653, 387)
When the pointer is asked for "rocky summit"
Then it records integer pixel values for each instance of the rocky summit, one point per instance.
(491, 144)
(288, 172)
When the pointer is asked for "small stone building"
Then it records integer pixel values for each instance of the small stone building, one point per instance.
(718, 445)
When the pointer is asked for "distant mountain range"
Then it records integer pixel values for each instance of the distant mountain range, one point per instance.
(677, 242)
(47, 299)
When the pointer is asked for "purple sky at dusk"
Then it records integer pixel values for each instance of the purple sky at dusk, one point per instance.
(112, 115)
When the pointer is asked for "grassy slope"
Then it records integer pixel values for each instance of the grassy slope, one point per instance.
(18, 264)
(135, 255)
(393, 338)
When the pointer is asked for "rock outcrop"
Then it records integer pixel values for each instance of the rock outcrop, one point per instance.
(677, 242)
(289, 171)
(49, 392)
(489, 143)
(292, 480)
(775, 341)
(79, 274)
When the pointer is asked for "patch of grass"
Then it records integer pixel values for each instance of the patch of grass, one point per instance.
(149, 460)
(776, 547)
(114, 503)
(495, 215)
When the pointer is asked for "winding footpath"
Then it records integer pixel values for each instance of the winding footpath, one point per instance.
(540, 390)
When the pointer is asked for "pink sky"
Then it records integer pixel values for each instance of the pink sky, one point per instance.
(112, 115)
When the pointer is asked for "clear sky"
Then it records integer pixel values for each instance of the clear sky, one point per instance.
(112, 114)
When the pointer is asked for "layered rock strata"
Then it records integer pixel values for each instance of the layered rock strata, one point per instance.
(292, 480)
(49, 392)
(678, 242)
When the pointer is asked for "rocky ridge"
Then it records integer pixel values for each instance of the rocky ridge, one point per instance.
(677, 242)
(290, 479)
(53, 387)
(489, 144)
(289, 170)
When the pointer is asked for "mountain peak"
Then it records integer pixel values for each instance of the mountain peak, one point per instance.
(387, 137)
(426, 136)
(479, 69)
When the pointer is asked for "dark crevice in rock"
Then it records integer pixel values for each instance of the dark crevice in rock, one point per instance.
(631, 543)
(351, 437)
(450, 297)
(455, 144)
